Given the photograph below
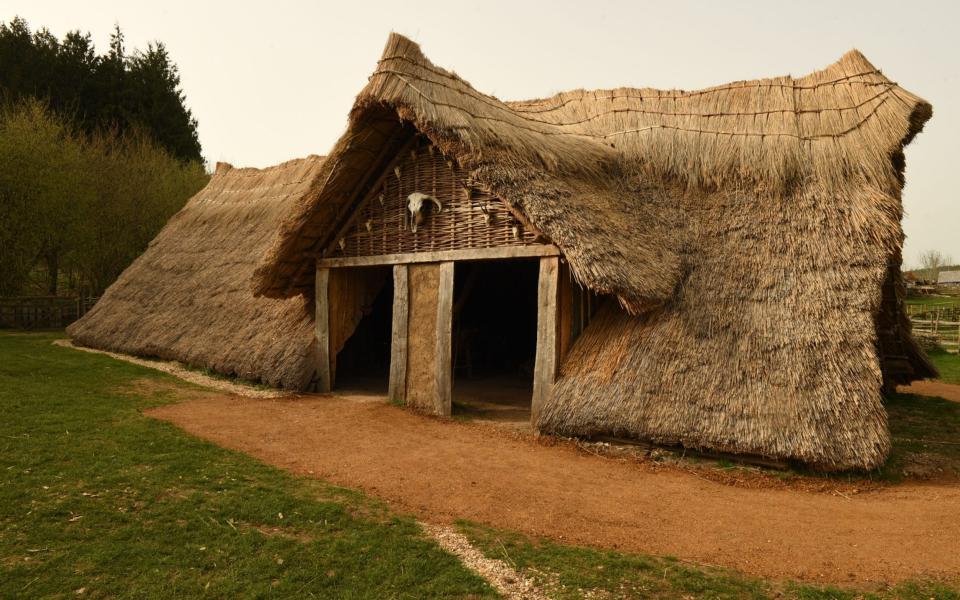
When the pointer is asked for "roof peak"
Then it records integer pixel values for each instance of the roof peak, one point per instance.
(402, 46)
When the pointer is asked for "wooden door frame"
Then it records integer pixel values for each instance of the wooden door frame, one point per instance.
(551, 335)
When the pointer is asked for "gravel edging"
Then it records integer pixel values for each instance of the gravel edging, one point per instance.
(179, 371)
(504, 578)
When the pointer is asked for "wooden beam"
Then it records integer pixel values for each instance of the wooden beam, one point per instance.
(443, 256)
(321, 328)
(397, 391)
(565, 312)
(444, 366)
(545, 367)
(398, 344)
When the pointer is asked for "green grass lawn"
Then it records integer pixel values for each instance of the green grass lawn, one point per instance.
(925, 433)
(97, 501)
(948, 364)
(96, 497)
(933, 300)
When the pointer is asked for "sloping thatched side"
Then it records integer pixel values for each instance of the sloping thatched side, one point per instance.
(769, 347)
(747, 230)
(188, 296)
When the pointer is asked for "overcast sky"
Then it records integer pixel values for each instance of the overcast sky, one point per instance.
(270, 81)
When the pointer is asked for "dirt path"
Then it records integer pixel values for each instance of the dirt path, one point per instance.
(441, 471)
(946, 391)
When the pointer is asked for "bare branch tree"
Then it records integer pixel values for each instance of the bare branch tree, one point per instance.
(932, 261)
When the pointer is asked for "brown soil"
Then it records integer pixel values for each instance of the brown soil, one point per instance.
(497, 400)
(946, 391)
(446, 470)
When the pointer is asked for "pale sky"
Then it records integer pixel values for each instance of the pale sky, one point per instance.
(270, 81)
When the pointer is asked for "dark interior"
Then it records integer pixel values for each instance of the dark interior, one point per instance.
(364, 361)
(494, 338)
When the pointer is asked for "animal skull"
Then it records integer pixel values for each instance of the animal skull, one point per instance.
(415, 206)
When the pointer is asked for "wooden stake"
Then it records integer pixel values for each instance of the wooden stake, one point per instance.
(444, 399)
(398, 343)
(545, 368)
(321, 329)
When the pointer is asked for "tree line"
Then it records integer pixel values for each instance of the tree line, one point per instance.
(96, 153)
(115, 90)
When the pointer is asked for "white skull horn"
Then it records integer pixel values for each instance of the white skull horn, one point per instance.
(415, 206)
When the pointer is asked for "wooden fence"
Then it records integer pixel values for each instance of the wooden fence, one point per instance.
(42, 312)
(941, 321)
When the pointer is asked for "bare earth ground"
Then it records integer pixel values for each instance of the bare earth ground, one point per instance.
(946, 391)
(446, 470)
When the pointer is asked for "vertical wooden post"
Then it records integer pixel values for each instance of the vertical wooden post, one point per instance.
(565, 289)
(545, 368)
(398, 342)
(444, 366)
(321, 328)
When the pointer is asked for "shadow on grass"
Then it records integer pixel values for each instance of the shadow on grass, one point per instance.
(926, 438)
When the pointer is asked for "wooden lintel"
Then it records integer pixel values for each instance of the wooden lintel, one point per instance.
(321, 328)
(444, 365)
(531, 251)
(398, 345)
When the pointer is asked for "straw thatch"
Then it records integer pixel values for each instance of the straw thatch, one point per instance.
(188, 297)
(750, 231)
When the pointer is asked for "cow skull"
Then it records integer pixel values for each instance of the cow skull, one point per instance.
(415, 206)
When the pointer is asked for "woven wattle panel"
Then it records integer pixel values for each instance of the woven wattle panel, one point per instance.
(470, 218)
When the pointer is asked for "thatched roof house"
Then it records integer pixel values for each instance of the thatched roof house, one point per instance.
(718, 269)
(948, 278)
(188, 296)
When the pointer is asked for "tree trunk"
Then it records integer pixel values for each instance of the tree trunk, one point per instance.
(52, 260)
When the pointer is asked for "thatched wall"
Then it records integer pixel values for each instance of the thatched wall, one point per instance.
(188, 296)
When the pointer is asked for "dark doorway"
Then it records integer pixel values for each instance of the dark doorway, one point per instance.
(363, 364)
(494, 341)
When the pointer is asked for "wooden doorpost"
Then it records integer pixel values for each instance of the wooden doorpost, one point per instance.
(444, 365)
(398, 341)
(321, 328)
(545, 368)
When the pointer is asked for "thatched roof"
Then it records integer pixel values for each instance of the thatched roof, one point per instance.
(188, 296)
(949, 277)
(748, 229)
